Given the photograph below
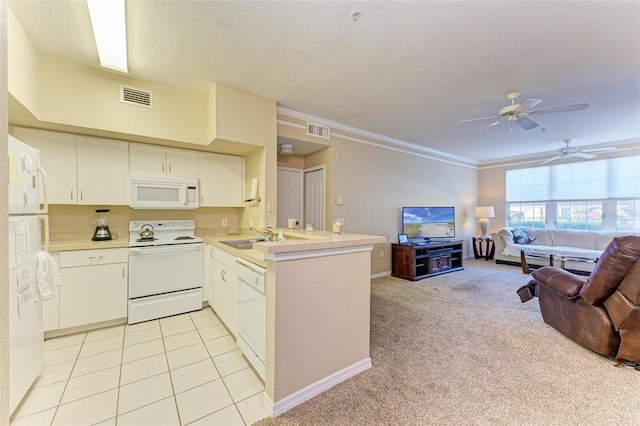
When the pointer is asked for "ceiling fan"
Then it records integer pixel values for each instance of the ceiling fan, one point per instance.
(574, 151)
(517, 113)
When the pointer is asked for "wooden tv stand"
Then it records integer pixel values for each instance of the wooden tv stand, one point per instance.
(415, 262)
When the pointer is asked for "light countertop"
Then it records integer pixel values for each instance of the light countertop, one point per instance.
(296, 241)
(70, 245)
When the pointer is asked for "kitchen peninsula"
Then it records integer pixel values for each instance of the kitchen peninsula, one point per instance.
(317, 311)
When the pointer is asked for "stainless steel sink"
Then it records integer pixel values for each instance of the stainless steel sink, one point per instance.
(239, 244)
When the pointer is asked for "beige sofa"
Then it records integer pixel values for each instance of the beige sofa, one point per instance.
(582, 248)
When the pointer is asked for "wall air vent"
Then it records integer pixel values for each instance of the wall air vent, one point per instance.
(319, 131)
(133, 96)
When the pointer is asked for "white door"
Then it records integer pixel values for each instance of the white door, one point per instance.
(289, 196)
(314, 200)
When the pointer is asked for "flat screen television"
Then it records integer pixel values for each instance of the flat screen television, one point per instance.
(424, 223)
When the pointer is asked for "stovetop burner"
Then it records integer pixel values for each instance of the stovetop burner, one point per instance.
(167, 232)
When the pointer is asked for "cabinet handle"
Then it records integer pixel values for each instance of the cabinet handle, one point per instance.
(169, 167)
(123, 272)
(211, 253)
(81, 195)
(95, 258)
(222, 274)
(201, 199)
(72, 195)
(162, 167)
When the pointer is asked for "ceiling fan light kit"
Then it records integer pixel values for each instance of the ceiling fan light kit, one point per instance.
(517, 113)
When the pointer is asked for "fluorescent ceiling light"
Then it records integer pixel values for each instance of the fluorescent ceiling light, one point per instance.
(110, 32)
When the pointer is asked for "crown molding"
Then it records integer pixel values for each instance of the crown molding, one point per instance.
(431, 154)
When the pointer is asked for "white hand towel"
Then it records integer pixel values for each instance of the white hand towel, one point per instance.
(47, 276)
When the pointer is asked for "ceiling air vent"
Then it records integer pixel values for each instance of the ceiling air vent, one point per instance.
(319, 131)
(133, 96)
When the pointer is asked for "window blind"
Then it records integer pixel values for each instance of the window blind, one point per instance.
(586, 180)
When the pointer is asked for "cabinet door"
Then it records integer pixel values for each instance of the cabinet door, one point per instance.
(182, 162)
(207, 274)
(221, 180)
(225, 296)
(90, 294)
(103, 171)
(58, 159)
(145, 159)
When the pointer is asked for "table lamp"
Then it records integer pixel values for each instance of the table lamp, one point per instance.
(484, 215)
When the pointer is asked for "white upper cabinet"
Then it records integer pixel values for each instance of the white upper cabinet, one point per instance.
(81, 169)
(158, 160)
(221, 180)
(103, 166)
(58, 159)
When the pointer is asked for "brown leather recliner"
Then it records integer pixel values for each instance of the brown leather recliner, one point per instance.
(601, 312)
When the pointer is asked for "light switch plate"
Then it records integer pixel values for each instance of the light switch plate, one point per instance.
(339, 201)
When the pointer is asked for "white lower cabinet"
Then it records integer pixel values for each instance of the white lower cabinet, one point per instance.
(94, 286)
(207, 273)
(225, 289)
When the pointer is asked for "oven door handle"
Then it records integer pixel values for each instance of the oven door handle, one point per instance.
(165, 249)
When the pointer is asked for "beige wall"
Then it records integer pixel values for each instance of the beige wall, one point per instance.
(492, 187)
(375, 179)
(4, 211)
(77, 222)
(308, 306)
(23, 67)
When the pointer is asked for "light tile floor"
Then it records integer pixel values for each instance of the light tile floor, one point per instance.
(180, 370)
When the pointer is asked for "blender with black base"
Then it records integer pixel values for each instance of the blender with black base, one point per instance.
(102, 230)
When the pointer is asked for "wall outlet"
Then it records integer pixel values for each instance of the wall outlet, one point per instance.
(381, 253)
(270, 208)
(224, 222)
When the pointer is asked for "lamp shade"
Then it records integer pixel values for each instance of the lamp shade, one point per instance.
(485, 212)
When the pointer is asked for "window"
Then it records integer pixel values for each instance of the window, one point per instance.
(529, 215)
(628, 215)
(602, 195)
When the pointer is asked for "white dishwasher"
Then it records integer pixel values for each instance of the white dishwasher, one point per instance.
(252, 312)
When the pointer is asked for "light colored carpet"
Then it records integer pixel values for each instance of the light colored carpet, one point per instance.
(461, 349)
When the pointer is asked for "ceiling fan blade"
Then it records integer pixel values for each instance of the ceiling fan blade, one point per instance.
(528, 104)
(551, 159)
(583, 155)
(574, 107)
(526, 124)
(483, 127)
(477, 119)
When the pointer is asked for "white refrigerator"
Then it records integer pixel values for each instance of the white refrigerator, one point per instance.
(26, 336)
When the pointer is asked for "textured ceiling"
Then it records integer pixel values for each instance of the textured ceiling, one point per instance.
(405, 70)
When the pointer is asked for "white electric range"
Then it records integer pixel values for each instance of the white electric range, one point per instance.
(165, 271)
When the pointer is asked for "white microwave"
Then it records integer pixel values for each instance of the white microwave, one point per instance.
(163, 192)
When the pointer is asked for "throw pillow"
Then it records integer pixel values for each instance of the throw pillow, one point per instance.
(520, 236)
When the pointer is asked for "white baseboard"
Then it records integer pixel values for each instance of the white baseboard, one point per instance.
(317, 388)
(381, 274)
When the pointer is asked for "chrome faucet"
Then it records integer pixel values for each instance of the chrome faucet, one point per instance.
(269, 232)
